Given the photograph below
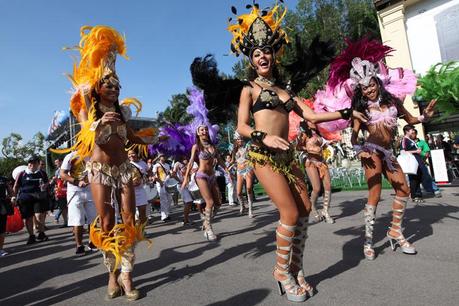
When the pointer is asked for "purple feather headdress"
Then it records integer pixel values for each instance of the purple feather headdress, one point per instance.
(181, 138)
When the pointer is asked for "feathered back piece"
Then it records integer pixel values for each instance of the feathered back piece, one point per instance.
(258, 29)
(308, 61)
(221, 95)
(98, 48)
(365, 49)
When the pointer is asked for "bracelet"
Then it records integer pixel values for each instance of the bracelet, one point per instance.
(257, 136)
(422, 118)
(345, 113)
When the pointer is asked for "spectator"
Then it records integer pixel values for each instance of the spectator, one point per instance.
(178, 172)
(60, 194)
(425, 154)
(162, 173)
(221, 182)
(139, 181)
(409, 146)
(440, 143)
(5, 210)
(230, 178)
(31, 191)
(81, 207)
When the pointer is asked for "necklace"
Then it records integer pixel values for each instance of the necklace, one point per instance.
(104, 109)
(263, 80)
(206, 144)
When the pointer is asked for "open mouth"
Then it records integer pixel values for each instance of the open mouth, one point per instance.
(263, 63)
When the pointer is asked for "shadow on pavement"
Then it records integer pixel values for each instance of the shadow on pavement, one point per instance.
(418, 223)
(248, 298)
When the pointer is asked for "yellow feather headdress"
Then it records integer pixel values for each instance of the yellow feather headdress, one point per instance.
(258, 30)
(98, 48)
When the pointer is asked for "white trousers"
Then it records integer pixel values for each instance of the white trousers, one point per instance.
(165, 199)
(231, 192)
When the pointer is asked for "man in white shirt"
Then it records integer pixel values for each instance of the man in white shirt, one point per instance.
(141, 200)
(178, 172)
(80, 204)
(161, 170)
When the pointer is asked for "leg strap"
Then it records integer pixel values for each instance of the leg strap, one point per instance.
(370, 214)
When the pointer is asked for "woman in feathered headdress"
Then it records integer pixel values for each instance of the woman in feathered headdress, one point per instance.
(102, 138)
(205, 154)
(378, 92)
(259, 36)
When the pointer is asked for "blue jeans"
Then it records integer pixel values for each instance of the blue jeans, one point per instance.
(427, 183)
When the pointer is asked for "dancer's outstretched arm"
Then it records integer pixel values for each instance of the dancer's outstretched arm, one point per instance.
(308, 114)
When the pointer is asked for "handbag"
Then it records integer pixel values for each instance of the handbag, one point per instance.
(408, 163)
(14, 223)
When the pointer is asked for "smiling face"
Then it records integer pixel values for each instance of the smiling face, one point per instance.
(263, 61)
(203, 131)
(132, 156)
(109, 90)
(371, 92)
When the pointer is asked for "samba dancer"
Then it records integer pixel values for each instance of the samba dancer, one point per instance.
(205, 154)
(377, 91)
(258, 36)
(103, 137)
(316, 168)
(244, 173)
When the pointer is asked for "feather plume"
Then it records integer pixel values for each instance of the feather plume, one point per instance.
(308, 62)
(221, 95)
(366, 49)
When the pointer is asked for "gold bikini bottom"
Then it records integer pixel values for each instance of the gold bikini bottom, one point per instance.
(279, 161)
(111, 175)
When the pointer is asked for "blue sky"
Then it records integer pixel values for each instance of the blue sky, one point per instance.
(162, 39)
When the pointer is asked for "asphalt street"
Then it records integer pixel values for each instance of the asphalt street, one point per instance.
(182, 268)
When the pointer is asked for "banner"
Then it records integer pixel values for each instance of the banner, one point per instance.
(58, 118)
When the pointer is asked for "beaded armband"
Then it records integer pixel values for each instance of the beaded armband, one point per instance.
(345, 113)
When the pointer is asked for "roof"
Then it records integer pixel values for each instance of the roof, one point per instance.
(380, 4)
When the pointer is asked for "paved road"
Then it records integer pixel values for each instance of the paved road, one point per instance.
(183, 269)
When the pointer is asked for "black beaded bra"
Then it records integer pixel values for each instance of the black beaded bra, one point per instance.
(268, 99)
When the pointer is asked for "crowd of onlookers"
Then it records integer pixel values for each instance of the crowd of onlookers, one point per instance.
(421, 150)
(67, 199)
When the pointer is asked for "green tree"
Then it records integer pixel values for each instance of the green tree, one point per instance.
(176, 112)
(15, 152)
(14, 147)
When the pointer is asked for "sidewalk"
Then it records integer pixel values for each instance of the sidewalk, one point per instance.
(181, 268)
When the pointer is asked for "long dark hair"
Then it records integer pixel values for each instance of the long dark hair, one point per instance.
(359, 102)
(99, 113)
(198, 140)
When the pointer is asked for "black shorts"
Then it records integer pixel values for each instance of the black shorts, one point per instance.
(3, 223)
(29, 208)
(61, 203)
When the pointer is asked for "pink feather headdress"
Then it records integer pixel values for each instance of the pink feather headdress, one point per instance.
(364, 49)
